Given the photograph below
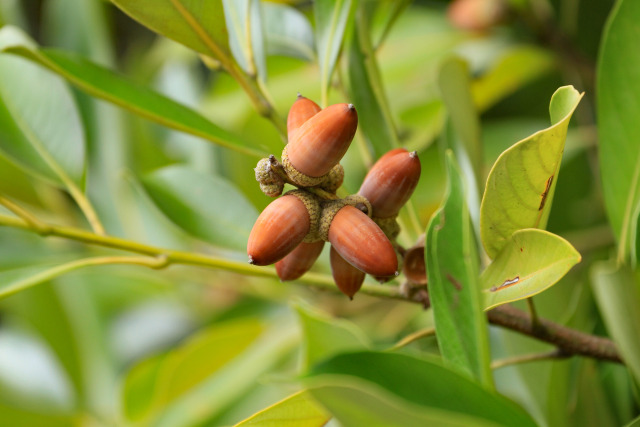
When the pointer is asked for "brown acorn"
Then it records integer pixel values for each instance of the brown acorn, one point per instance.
(362, 243)
(321, 141)
(278, 230)
(301, 111)
(299, 261)
(391, 181)
(414, 266)
(348, 278)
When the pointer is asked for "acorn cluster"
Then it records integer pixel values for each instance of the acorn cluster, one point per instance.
(292, 230)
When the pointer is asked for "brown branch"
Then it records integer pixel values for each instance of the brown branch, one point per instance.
(570, 341)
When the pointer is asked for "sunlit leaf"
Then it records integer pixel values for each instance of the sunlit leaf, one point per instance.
(287, 32)
(206, 206)
(424, 386)
(367, 92)
(199, 25)
(452, 269)
(618, 106)
(331, 18)
(103, 83)
(154, 383)
(299, 410)
(40, 126)
(521, 184)
(325, 336)
(531, 261)
(244, 22)
(618, 296)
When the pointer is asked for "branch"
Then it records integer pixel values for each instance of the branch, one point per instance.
(568, 341)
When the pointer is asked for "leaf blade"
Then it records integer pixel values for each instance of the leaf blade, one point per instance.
(299, 409)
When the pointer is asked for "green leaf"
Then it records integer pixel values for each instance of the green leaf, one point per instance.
(634, 423)
(425, 386)
(288, 32)
(454, 291)
(522, 181)
(618, 107)
(455, 86)
(299, 410)
(40, 127)
(244, 22)
(618, 297)
(531, 261)
(331, 18)
(103, 83)
(324, 336)
(367, 93)
(153, 384)
(197, 24)
(206, 206)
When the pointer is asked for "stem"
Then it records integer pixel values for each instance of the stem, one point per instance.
(38, 226)
(423, 333)
(570, 341)
(525, 358)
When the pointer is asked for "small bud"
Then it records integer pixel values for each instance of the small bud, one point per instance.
(301, 111)
(278, 230)
(299, 261)
(319, 144)
(348, 278)
(391, 181)
(362, 243)
(414, 267)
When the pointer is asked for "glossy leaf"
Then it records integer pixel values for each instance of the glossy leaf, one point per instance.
(367, 93)
(206, 206)
(452, 270)
(331, 18)
(618, 110)
(455, 86)
(521, 184)
(104, 83)
(287, 31)
(196, 24)
(324, 336)
(298, 410)
(618, 297)
(422, 384)
(40, 126)
(531, 261)
(156, 382)
(244, 22)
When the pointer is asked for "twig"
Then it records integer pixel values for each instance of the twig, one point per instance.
(525, 358)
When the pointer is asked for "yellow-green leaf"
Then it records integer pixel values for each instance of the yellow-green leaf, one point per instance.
(531, 261)
(522, 181)
(297, 410)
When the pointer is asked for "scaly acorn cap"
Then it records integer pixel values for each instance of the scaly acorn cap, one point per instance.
(270, 183)
(391, 181)
(301, 111)
(333, 179)
(299, 261)
(348, 278)
(319, 144)
(282, 225)
(362, 243)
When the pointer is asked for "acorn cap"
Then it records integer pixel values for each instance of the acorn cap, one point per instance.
(391, 181)
(278, 230)
(301, 111)
(321, 141)
(348, 278)
(299, 261)
(362, 243)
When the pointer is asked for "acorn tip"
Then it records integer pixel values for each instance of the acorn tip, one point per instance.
(350, 297)
(397, 273)
(413, 154)
(251, 261)
(351, 107)
(298, 95)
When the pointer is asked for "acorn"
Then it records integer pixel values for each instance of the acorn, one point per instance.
(281, 226)
(321, 141)
(414, 267)
(299, 261)
(391, 181)
(301, 111)
(348, 278)
(361, 242)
